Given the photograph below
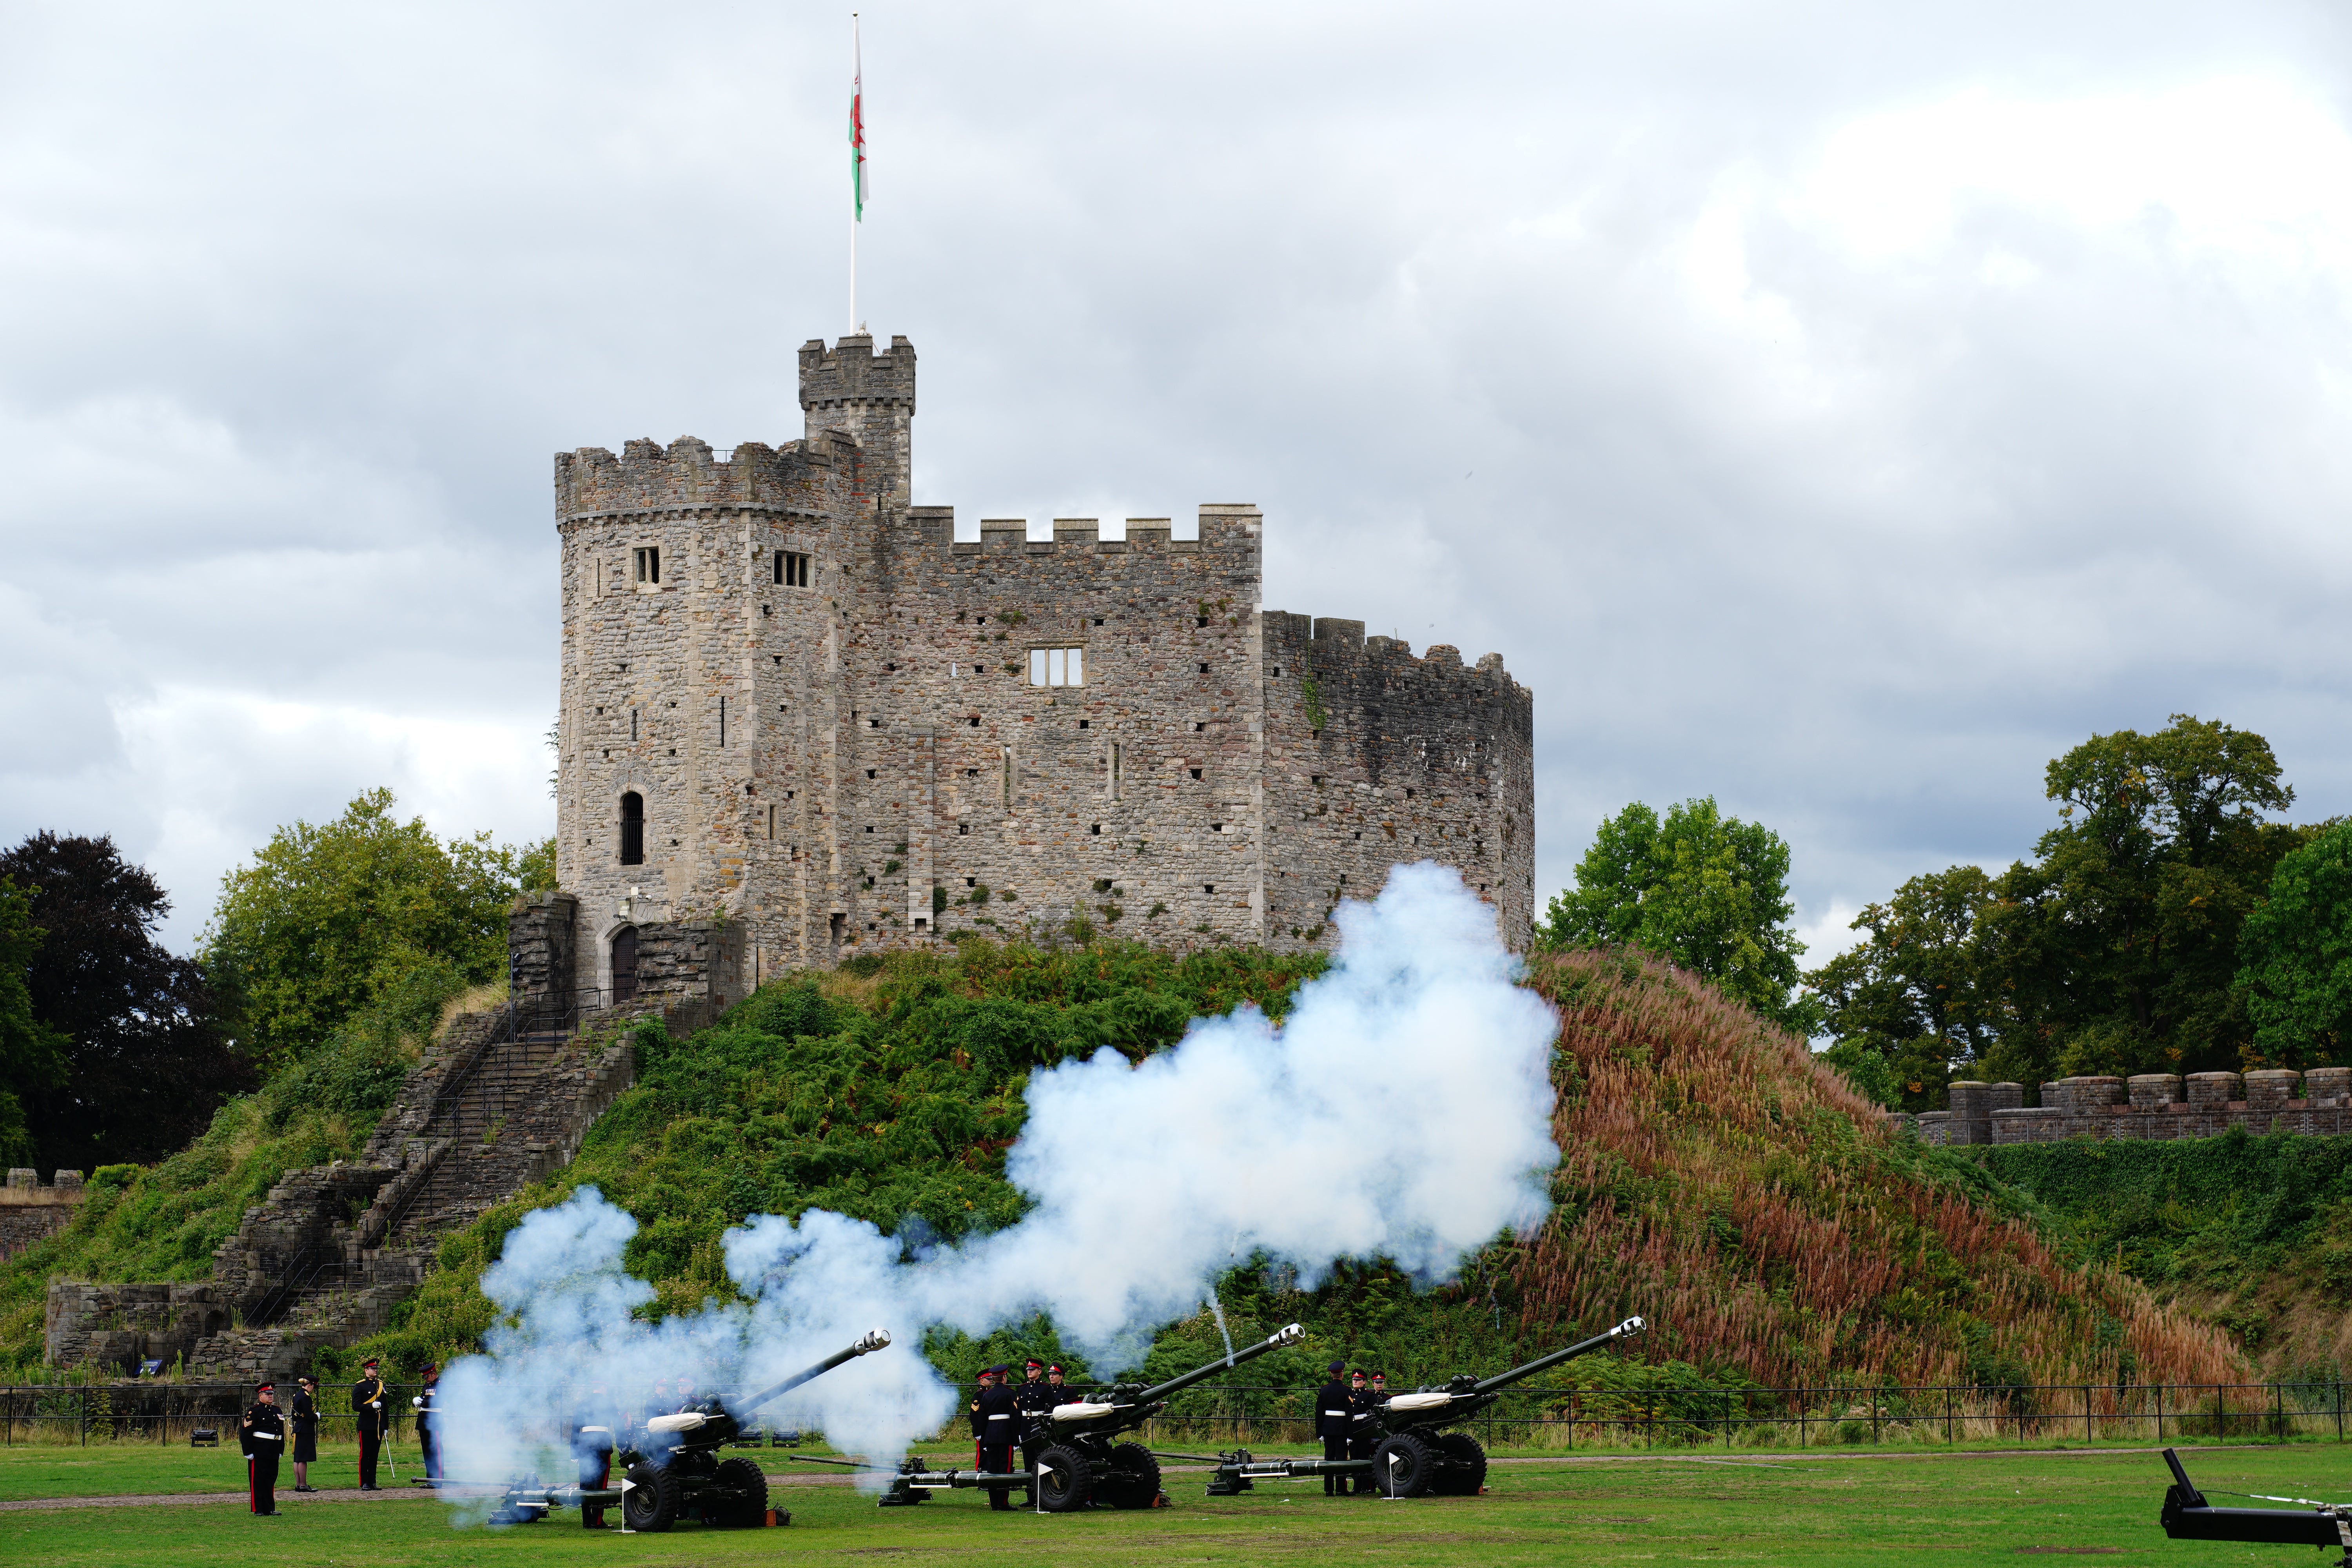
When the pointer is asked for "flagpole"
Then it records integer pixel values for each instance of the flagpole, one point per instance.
(856, 156)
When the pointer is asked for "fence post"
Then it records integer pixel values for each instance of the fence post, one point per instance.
(1948, 1413)
(1803, 1438)
(2339, 1410)
(2159, 1413)
(2086, 1413)
(2221, 1412)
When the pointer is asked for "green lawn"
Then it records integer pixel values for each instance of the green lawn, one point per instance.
(1817, 1508)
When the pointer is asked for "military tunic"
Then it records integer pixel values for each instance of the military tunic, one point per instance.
(262, 1436)
(995, 1428)
(369, 1416)
(1335, 1419)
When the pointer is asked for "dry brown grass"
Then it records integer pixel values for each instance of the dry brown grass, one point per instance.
(479, 998)
(1718, 1181)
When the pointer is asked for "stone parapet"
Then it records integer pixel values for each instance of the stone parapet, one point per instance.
(30, 1211)
(2150, 1105)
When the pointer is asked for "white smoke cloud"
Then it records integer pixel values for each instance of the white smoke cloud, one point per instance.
(1404, 1109)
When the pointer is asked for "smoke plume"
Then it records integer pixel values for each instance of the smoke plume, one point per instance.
(1404, 1109)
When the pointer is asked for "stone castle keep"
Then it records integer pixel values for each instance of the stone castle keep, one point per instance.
(800, 721)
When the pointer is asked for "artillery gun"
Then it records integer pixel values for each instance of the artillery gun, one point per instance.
(677, 1470)
(1082, 1461)
(1416, 1456)
(2187, 1516)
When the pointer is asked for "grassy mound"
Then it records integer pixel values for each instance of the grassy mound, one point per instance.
(1714, 1180)
(1717, 1179)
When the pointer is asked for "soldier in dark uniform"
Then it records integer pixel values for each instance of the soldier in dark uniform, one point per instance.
(1363, 1406)
(1333, 1419)
(1054, 1386)
(1036, 1400)
(995, 1427)
(428, 1435)
(368, 1413)
(262, 1436)
(306, 1432)
(592, 1447)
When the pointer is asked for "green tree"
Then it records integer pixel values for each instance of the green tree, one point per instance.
(1908, 998)
(32, 1055)
(1709, 892)
(329, 917)
(2116, 950)
(2294, 954)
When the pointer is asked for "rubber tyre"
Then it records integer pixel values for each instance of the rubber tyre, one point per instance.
(1401, 1467)
(742, 1476)
(650, 1505)
(1465, 1465)
(1066, 1479)
(1131, 1477)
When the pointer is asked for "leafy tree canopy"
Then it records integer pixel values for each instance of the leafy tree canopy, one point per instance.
(32, 1058)
(1906, 1001)
(2115, 949)
(2296, 956)
(329, 917)
(144, 1063)
(1709, 892)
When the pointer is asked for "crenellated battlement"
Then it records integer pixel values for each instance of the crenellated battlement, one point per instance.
(648, 476)
(852, 373)
(1334, 646)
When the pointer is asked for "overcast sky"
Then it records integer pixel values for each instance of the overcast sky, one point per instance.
(1838, 409)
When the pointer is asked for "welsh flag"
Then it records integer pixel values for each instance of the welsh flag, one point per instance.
(857, 174)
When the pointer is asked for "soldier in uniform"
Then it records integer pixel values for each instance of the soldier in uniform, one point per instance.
(306, 1432)
(428, 1435)
(1334, 1420)
(1363, 1406)
(1037, 1399)
(262, 1436)
(368, 1399)
(1054, 1386)
(996, 1426)
(592, 1447)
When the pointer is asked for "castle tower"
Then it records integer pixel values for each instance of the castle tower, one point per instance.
(872, 397)
(801, 720)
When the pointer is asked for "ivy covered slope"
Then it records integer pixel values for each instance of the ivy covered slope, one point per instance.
(2252, 1233)
(163, 1221)
(1715, 1180)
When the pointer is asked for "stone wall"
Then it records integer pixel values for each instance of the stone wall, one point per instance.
(2151, 1105)
(30, 1211)
(1412, 759)
(857, 759)
(118, 1326)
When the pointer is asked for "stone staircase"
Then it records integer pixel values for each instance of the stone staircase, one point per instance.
(325, 1258)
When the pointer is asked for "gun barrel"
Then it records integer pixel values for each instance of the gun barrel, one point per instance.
(1624, 1331)
(871, 1341)
(1289, 1334)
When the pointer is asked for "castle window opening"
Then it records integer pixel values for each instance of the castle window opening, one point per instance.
(722, 722)
(1208, 887)
(1195, 773)
(771, 822)
(1082, 723)
(648, 563)
(963, 827)
(1098, 827)
(791, 569)
(632, 725)
(1204, 669)
(1098, 620)
(869, 773)
(1056, 667)
(633, 829)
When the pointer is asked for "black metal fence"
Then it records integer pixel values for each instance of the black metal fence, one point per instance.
(164, 1412)
(1545, 1420)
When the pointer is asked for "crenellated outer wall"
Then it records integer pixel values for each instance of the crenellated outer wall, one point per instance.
(861, 763)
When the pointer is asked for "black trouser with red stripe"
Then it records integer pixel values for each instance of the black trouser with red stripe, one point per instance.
(261, 1479)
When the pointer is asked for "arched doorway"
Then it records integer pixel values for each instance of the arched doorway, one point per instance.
(633, 829)
(624, 965)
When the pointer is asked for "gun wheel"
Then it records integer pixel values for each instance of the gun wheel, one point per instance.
(1131, 1478)
(1066, 1479)
(1465, 1465)
(651, 1502)
(1402, 1465)
(743, 1477)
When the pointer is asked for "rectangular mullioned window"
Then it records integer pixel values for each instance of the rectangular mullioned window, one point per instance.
(649, 563)
(791, 569)
(1057, 666)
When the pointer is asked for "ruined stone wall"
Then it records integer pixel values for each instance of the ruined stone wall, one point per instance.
(30, 1211)
(2150, 1105)
(1375, 757)
(862, 763)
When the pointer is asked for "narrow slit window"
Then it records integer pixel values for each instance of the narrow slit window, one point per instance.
(791, 569)
(648, 563)
(633, 829)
